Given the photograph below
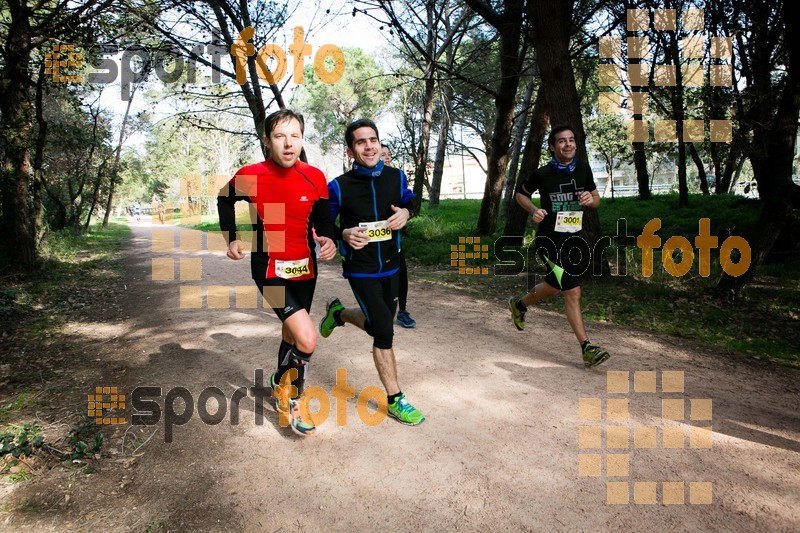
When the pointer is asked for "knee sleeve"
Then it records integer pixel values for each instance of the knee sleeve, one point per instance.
(382, 334)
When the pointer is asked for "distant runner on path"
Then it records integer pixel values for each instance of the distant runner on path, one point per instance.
(403, 317)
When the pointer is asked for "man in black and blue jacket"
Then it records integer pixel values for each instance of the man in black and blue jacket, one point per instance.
(371, 202)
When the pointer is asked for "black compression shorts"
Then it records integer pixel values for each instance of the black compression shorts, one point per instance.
(287, 297)
(377, 298)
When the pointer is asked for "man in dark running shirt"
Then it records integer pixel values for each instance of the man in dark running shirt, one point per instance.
(290, 197)
(373, 203)
(567, 188)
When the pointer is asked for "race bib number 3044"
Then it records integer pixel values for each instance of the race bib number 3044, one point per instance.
(569, 221)
(377, 231)
(291, 269)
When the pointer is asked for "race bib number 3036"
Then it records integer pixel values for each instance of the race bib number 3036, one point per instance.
(291, 269)
(569, 221)
(377, 231)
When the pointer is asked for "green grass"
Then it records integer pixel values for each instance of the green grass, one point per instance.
(211, 222)
(428, 237)
(34, 300)
(729, 215)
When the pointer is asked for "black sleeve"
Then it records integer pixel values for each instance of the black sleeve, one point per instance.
(321, 211)
(226, 198)
(529, 183)
(338, 232)
(590, 185)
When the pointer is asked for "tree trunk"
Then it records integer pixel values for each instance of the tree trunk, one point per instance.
(679, 113)
(95, 195)
(737, 174)
(17, 127)
(117, 155)
(639, 154)
(701, 171)
(516, 150)
(642, 176)
(441, 147)
(683, 189)
(518, 217)
(38, 159)
(609, 190)
(510, 32)
(552, 24)
(421, 156)
(774, 137)
(732, 161)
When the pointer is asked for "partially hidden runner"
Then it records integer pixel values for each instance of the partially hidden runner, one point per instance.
(291, 200)
(372, 203)
(403, 316)
(566, 187)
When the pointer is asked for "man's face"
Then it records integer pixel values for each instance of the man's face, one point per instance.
(564, 146)
(366, 150)
(386, 156)
(285, 142)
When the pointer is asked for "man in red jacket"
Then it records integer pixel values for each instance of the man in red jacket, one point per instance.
(291, 199)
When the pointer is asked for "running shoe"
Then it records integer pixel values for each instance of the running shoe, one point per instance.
(594, 355)
(289, 409)
(404, 412)
(516, 315)
(328, 323)
(405, 320)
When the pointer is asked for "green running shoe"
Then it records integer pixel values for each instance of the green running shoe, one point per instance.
(594, 355)
(516, 315)
(289, 409)
(328, 323)
(404, 412)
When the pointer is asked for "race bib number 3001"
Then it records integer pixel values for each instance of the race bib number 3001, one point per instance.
(569, 221)
(377, 231)
(291, 269)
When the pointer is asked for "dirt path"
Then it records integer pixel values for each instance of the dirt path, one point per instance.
(500, 449)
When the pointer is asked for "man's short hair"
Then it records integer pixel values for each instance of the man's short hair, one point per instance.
(386, 146)
(551, 139)
(280, 116)
(349, 136)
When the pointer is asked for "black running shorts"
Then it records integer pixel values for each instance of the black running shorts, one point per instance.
(565, 259)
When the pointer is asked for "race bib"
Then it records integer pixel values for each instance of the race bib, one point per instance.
(291, 269)
(569, 221)
(377, 231)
